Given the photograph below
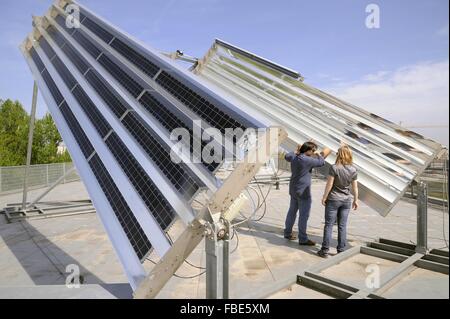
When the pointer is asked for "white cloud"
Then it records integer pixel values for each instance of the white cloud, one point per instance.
(416, 95)
(380, 75)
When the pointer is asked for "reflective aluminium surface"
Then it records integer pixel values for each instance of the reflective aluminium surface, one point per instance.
(388, 157)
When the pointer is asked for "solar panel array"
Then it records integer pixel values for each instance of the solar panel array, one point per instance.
(117, 103)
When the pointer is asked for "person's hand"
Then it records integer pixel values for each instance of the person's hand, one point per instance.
(325, 152)
(324, 201)
(355, 205)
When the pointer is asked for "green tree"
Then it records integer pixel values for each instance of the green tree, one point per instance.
(14, 126)
(45, 141)
(14, 123)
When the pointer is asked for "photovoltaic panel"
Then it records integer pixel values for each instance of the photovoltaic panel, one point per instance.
(139, 60)
(85, 102)
(183, 180)
(100, 32)
(59, 39)
(162, 114)
(149, 192)
(127, 81)
(135, 57)
(81, 138)
(79, 63)
(67, 77)
(205, 109)
(171, 122)
(118, 124)
(37, 60)
(143, 184)
(106, 93)
(133, 230)
(102, 88)
(46, 48)
(86, 44)
(52, 87)
(179, 175)
(97, 119)
(202, 103)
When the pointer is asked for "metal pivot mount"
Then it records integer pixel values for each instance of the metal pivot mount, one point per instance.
(217, 260)
(213, 224)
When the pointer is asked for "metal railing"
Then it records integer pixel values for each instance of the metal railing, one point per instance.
(39, 176)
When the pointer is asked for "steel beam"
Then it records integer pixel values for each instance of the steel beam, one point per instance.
(30, 145)
(217, 268)
(422, 211)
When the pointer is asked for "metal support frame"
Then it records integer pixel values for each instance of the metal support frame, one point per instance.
(403, 253)
(422, 217)
(217, 264)
(13, 213)
(17, 212)
(50, 188)
(407, 255)
(30, 145)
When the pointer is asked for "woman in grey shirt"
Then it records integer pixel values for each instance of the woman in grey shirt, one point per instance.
(338, 199)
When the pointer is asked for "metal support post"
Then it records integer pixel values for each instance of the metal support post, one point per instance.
(217, 265)
(30, 145)
(50, 188)
(422, 205)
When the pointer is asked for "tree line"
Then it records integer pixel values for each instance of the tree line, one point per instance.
(14, 127)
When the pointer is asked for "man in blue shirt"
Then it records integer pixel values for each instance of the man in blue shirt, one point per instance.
(302, 162)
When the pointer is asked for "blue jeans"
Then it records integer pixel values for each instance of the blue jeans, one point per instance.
(303, 205)
(340, 210)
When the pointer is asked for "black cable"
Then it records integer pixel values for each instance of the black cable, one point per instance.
(178, 276)
(186, 261)
(263, 202)
(237, 240)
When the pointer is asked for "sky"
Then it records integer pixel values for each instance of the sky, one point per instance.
(399, 71)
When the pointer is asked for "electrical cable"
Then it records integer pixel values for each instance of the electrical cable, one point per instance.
(186, 261)
(264, 202)
(235, 232)
(178, 276)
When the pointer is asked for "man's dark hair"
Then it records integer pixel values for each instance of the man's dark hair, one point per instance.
(308, 146)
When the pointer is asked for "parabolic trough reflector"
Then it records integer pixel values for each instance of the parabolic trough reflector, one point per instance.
(388, 157)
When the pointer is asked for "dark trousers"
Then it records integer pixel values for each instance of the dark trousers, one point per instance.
(336, 210)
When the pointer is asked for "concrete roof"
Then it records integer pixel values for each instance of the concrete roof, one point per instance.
(34, 254)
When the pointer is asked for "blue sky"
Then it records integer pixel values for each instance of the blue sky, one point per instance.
(399, 70)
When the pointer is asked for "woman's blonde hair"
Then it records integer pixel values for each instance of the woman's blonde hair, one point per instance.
(344, 156)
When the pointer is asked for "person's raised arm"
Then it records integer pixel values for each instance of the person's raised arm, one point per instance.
(289, 156)
(328, 188)
(355, 204)
(325, 152)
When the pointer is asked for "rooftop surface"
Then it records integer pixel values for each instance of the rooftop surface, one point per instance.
(34, 254)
